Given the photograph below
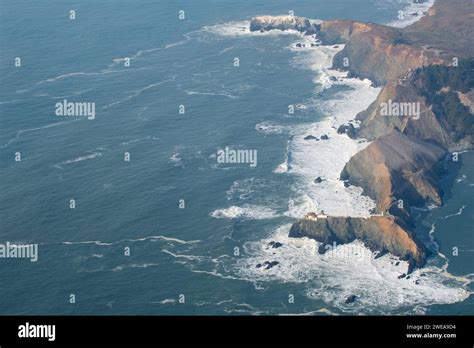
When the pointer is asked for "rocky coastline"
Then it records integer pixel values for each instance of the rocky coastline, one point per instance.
(428, 64)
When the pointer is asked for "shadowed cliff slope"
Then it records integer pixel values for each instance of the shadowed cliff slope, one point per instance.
(427, 67)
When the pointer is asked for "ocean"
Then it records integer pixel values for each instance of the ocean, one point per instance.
(132, 211)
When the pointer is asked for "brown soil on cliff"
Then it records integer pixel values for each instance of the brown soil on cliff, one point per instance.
(379, 233)
(383, 54)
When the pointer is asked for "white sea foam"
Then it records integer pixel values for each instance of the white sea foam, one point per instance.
(148, 238)
(242, 28)
(137, 92)
(310, 159)
(244, 189)
(270, 127)
(176, 159)
(136, 140)
(326, 158)
(246, 212)
(334, 276)
(408, 12)
(92, 155)
(183, 256)
(282, 168)
(227, 95)
(134, 265)
(167, 301)
(23, 131)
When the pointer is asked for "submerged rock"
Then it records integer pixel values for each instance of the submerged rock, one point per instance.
(351, 299)
(348, 129)
(318, 180)
(271, 264)
(275, 245)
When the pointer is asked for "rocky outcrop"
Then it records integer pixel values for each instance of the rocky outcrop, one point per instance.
(379, 233)
(266, 23)
(400, 169)
(382, 53)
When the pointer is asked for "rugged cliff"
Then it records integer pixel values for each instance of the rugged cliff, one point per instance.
(403, 161)
(427, 66)
(340, 230)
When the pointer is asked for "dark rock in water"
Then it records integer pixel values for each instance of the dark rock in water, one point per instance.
(322, 249)
(417, 282)
(313, 45)
(401, 276)
(298, 44)
(275, 245)
(381, 253)
(336, 46)
(408, 277)
(269, 265)
(348, 129)
(379, 233)
(411, 266)
(422, 275)
(351, 299)
(414, 14)
(310, 137)
(346, 184)
(324, 137)
(398, 262)
(333, 78)
(318, 180)
(258, 265)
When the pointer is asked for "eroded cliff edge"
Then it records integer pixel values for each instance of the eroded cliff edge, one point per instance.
(428, 64)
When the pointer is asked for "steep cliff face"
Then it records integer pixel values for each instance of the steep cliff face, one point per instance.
(426, 66)
(447, 30)
(442, 96)
(383, 54)
(379, 233)
(372, 51)
(399, 171)
(426, 125)
(341, 31)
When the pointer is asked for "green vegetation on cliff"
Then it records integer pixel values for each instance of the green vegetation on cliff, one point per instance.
(439, 84)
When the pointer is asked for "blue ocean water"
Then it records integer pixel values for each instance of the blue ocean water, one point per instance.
(208, 250)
